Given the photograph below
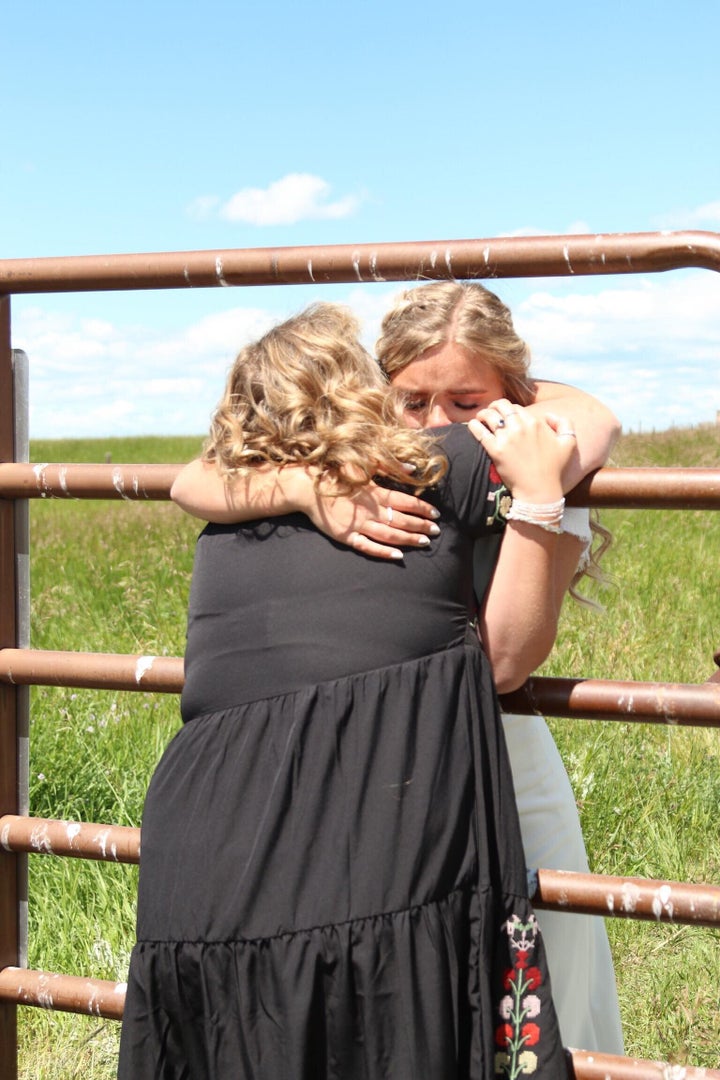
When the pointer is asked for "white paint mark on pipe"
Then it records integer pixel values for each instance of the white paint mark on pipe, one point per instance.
(448, 261)
(143, 665)
(433, 258)
(118, 483)
(72, 830)
(5, 838)
(610, 901)
(566, 253)
(63, 479)
(40, 840)
(486, 255)
(219, 272)
(356, 265)
(310, 272)
(630, 894)
(39, 471)
(373, 268)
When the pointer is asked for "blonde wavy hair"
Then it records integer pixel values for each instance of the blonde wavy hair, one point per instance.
(308, 393)
(465, 313)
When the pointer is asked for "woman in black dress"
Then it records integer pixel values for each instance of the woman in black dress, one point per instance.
(332, 882)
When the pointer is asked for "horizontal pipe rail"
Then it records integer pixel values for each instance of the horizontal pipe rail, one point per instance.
(677, 902)
(596, 1066)
(100, 997)
(92, 671)
(520, 256)
(70, 481)
(695, 704)
(686, 704)
(68, 993)
(74, 839)
(557, 890)
(633, 488)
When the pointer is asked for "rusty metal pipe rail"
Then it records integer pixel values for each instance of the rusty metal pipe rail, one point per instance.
(74, 481)
(596, 1066)
(696, 704)
(68, 993)
(73, 839)
(634, 488)
(91, 671)
(685, 704)
(102, 998)
(557, 890)
(522, 256)
(676, 902)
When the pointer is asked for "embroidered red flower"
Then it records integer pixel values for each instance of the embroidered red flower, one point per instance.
(534, 977)
(530, 1034)
(504, 1034)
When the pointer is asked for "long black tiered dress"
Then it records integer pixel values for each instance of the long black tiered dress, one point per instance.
(332, 884)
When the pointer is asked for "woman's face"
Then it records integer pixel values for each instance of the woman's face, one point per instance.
(447, 385)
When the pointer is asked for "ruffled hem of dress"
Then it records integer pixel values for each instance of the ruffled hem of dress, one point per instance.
(439, 989)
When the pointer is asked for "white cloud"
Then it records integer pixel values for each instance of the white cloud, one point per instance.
(295, 197)
(649, 347)
(706, 216)
(203, 207)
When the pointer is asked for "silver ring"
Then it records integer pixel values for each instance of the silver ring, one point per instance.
(566, 435)
(389, 512)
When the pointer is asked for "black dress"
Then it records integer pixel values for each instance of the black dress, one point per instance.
(332, 884)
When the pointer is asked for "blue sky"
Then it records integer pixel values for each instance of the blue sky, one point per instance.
(174, 126)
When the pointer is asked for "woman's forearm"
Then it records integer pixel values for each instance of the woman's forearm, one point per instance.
(596, 427)
(518, 622)
(200, 490)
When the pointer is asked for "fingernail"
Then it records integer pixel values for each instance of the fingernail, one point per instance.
(422, 541)
(434, 513)
(434, 530)
(395, 554)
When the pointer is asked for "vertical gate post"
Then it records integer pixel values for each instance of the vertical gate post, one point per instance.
(9, 794)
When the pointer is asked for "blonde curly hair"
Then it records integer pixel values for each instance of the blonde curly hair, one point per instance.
(308, 393)
(465, 313)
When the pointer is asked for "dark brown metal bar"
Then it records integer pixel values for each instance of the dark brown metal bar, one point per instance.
(558, 890)
(100, 997)
(628, 898)
(9, 779)
(632, 488)
(75, 839)
(687, 704)
(68, 993)
(590, 699)
(596, 1066)
(92, 671)
(524, 256)
(60, 481)
(650, 488)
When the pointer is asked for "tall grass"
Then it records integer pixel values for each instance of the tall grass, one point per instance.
(114, 577)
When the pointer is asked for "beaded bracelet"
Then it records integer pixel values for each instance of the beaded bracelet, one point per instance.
(547, 515)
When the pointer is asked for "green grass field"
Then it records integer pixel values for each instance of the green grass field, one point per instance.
(114, 577)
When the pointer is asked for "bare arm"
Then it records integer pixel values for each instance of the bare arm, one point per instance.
(519, 618)
(597, 428)
(372, 521)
